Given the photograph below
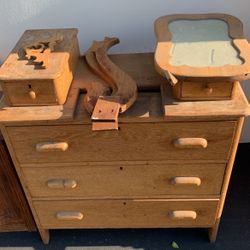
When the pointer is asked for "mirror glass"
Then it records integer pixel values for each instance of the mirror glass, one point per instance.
(202, 43)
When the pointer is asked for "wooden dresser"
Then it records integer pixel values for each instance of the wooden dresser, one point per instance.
(15, 214)
(168, 165)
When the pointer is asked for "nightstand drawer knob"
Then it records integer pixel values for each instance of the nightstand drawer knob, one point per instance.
(179, 215)
(186, 181)
(190, 143)
(62, 183)
(69, 215)
(32, 95)
(51, 146)
(208, 90)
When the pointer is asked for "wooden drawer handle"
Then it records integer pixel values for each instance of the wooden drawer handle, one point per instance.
(51, 146)
(179, 215)
(32, 94)
(190, 143)
(208, 90)
(62, 183)
(69, 215)
(186, 181)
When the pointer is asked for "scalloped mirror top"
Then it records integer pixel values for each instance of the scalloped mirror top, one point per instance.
(202, 43)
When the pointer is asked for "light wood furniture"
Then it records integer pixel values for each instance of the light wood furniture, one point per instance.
(40, 69)
(15, 214)
(168, 165)
(202, 55)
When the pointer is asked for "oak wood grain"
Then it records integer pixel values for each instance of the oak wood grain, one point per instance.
(148, 213)
(142, 141)
(121, 180)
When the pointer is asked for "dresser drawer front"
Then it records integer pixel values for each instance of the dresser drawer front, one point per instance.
(32, 93)
(206, 91)
(125, 181)
(126, 213)
(140, 141)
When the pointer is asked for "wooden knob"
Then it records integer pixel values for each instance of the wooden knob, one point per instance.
(62, 183)
(51, 146)
(190, 143)
(180, 215)
(67, 215)
(208, 90)
(32, 94)
(186, 181)
(68, 183)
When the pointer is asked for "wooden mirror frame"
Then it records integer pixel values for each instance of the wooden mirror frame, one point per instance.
(184, 72)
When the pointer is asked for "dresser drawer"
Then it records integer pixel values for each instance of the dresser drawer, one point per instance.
(125, 181)
(139, 141)
(126, 213)
(204, 90)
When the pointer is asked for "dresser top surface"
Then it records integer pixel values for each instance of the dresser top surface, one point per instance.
(149, 107)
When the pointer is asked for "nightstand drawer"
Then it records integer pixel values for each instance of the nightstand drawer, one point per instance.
(140, 141)
(126, 213)
(205, 90)
(125, 180)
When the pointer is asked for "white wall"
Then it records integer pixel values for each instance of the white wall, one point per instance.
(130, 20)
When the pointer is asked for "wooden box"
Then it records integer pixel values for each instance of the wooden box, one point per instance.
(40, 68)
(202, 56)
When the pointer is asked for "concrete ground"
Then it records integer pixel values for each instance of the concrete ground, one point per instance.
(234, 233)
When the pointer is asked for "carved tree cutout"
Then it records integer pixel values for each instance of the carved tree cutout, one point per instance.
(38, 53)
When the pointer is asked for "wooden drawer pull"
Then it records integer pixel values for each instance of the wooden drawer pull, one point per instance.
(179, 215)
(32, 95)
(186, 181)
(69, 216)
(51, 146)
(190, 143)
(62, 183)
(208, 90)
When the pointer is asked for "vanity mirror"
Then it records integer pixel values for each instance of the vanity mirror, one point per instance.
(202, 55)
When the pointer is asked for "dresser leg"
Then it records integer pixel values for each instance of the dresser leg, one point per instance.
(213, 231)
(44, 233)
